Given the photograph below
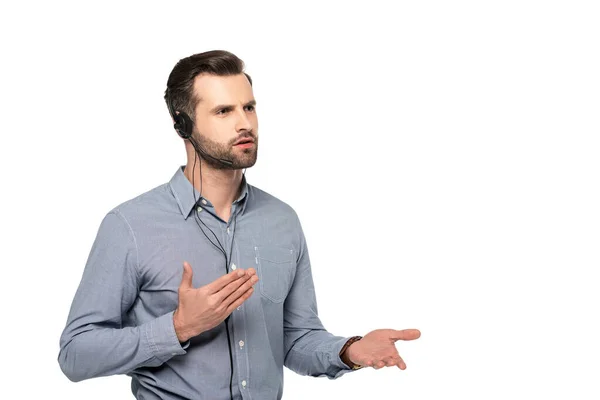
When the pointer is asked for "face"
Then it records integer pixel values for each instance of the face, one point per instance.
(226, 124)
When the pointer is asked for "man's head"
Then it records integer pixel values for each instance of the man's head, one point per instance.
(215, 92)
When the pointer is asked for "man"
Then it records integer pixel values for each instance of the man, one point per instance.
(243, 305)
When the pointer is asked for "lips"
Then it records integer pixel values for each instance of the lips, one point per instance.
(244, 141)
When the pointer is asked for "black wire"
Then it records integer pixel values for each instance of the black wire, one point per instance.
(227, 319)
(220, 248)
(230, 359)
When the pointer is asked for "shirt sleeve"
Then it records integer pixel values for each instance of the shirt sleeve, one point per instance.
(94, 342)
(309, 348)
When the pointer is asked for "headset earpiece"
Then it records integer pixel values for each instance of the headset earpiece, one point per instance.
(183, 125)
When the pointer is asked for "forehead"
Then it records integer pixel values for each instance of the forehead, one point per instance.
(213, 90)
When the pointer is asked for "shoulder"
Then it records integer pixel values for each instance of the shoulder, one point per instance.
(269, 204)
(148, 205)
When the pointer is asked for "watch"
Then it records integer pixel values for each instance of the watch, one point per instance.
(348, 362)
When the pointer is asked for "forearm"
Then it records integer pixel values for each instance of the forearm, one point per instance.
(94, 350)
(316, 353)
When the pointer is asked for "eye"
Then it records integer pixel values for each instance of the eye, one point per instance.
(250, 108)
(222, 111)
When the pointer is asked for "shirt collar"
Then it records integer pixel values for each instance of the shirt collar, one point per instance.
(182, 188)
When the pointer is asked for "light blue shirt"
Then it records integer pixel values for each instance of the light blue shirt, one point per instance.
(121, 318)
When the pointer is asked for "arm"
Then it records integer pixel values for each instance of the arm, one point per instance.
(94, 342)
(309, 348)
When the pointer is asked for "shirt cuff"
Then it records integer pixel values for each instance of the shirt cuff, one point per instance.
(336, 360)
(161, 338)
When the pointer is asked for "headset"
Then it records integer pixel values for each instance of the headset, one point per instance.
(184, 126)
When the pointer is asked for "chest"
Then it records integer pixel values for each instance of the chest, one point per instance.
(213, 252)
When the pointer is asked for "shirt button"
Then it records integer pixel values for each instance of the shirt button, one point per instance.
(241, 343)
(204, 201)
(228, 231)
(244, 383)
(239, 308)
(199, 209)
(233, 266)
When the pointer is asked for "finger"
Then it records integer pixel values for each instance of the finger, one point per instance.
(230, 288)
(379, 364)
(401, 364)
(186, 279)
(223, 281)
(391, 361)
(249, 283)
(406, 334)
(240, 300)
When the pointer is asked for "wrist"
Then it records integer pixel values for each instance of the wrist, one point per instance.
(345, 353)
(180, 329)
(344, 357)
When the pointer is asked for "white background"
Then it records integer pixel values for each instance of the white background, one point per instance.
(443, 158)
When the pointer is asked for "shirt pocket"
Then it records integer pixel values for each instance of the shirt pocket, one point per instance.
(276, 270)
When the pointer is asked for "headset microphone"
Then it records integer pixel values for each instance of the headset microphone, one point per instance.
(206, 155)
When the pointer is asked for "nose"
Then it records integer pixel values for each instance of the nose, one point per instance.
(243, 122)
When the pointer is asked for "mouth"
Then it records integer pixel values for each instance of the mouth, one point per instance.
(244, 142)
(245, 145)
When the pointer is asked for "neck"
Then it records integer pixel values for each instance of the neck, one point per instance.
(220, 186)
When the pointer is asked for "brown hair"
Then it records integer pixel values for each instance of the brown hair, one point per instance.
(180, 85)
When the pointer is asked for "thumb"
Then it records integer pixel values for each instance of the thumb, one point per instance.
(186, 279)
(406, 334)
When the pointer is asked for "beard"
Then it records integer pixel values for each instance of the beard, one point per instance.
(240, 158)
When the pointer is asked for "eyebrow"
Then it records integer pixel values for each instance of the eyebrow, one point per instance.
(229, 106)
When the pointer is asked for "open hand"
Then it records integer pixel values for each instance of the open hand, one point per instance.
(377, 349)
(201, 309)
